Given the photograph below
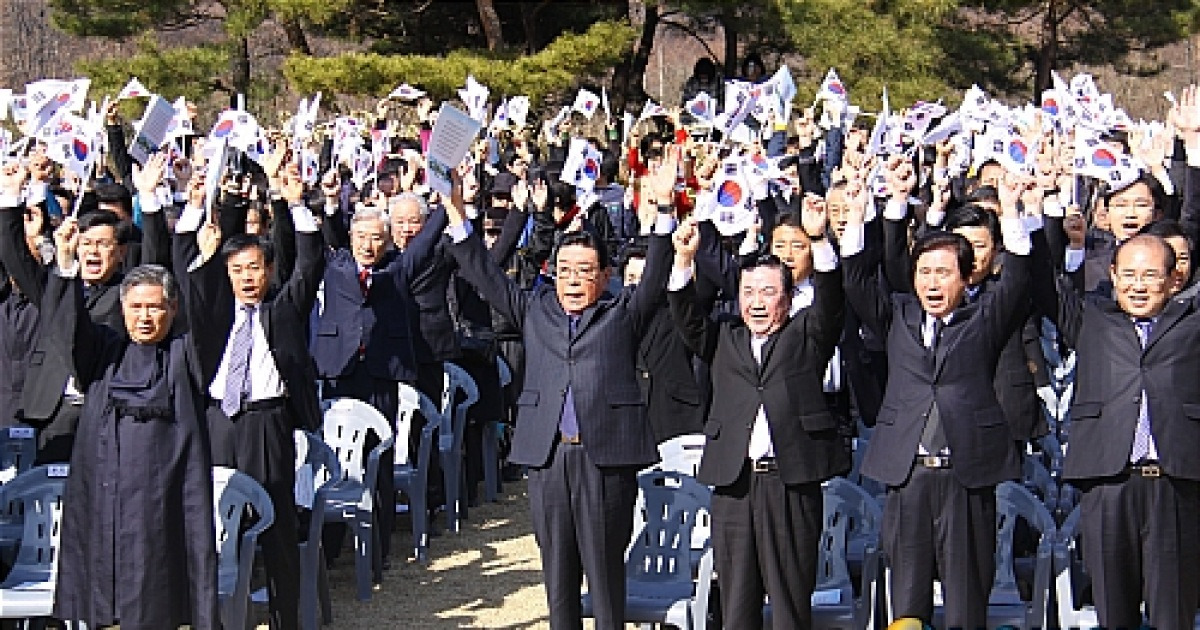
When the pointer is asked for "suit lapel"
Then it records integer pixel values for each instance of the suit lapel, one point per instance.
(1167, 320)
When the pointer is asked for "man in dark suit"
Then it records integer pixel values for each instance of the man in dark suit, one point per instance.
(363, 345)
(1135, 435)
(261, 383)
(941, 443)
(581, 426)
(51, 401)
(771, 437)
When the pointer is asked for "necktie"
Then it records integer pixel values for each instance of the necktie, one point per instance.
(1142, 439)
(237, 381)
(363, 275)
(568, 423)
(932, 437)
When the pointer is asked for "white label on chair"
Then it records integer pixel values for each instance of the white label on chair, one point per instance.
(827, 597)
(937, 593)
(304, 486)
(58, 470)
(21, 432)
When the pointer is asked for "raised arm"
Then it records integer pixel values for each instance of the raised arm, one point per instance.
(26, 271)
(860, 278)
(699, 333)
(156, 238)
(65, 317)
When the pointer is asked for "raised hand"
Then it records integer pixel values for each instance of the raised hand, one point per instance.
(12, 178)
(66, 242)
(208, 239)
(661, 183)
(520, 195)
(1075, 228)
(146, 178)
(1185, 115)
(291, 185)
(687, 242)
(900, 176)
(814, 216)
(1011, 188)
(540, 195)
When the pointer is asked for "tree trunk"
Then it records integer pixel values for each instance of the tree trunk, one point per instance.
(241, 68)
(636, 88)
(297, 39)
(729, 24)
(1046, 57)
(491, 24)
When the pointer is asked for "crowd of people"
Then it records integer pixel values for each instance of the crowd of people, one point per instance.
(776, 278)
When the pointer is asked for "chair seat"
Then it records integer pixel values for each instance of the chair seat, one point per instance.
(26, 599)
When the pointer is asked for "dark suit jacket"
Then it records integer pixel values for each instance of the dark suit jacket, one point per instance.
(674, 402)
(788, 384)
(383, 321)
(1113, 371)
(210, 307)
(1020, 360)
(597, 362)
(960, 376)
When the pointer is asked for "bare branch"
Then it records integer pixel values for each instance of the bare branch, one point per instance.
(690, 31)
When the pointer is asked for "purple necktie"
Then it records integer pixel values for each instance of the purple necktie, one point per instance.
(568, 422)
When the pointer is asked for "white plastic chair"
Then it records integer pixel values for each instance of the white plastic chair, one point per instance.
(235, 496)
(450, 439)
(411, 473)
(35, 499)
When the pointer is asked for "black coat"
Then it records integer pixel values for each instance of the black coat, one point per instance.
(138, 544)
(674, 401)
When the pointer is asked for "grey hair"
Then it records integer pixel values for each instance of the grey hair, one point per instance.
(152, 275)
(422, 205)
(369, 213)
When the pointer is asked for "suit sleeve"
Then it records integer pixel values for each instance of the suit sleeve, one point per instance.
(283, 238)
(497, 289)
(699, 333)
(828, 314)
(156, 239)
(1054, 293)
(897, 268)
(421, 250)
(870, 302)
(715, 267)
(119, 153)
(28, 273)
(510, 234)
(67, 322)
(647, 299)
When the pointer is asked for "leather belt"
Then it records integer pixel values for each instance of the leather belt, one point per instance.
(255, 405)
(75, 400)
(933, 461)
(569, 439)
(764, 465)
(1145, 469)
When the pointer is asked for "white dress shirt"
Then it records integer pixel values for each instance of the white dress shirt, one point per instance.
(265, 381)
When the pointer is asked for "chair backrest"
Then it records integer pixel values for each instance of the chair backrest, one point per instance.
(344, 428)
(1037, 478)
(236, 496)
(18, 448)
(661, 552)
(1014, 502)
(1071, 578)
(850, 512)
(682, 453)
(506, 375)
(413, 402)
(313, 452)
(35, 498)
(454, 414)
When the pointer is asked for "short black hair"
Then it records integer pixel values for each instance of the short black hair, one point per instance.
(750, 263)
(562, 196)
(931, 241)
(109, 192)
(242, 242)
(983, 194)
(973, 215)
(102, 218)
(588, 239)
(610, 167)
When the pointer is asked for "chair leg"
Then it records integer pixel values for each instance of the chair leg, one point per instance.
(362, 527)
(491, 463)
(419, 510)
(323, 589)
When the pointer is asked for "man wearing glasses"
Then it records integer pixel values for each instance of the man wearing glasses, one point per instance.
(1135, 432)
(581, 426)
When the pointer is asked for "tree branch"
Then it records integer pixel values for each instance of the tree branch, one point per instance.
(690, 31)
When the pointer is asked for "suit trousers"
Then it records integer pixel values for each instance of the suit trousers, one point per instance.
(384, 395)
(583, 521)
(934, 527)
(260, 444)
(765, 537)
(1140, 543)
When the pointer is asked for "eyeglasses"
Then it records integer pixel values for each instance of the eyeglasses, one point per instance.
(1148, 278)
(582, 273)
(103, 244)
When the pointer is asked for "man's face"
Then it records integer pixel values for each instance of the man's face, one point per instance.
(838, 207)
(99, 254)
(368, 241)
(794, 248)
(985, 251)
(406, 221)
(254, 222)
(762, 300)
(580, 279)
(249, 274)
(938, 283)
(1183, 263)
(633, 271)
(148, 314)
(1141, 279)
(1130, 210)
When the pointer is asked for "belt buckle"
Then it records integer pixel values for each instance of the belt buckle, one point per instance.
(574, 439)
(1151, 470)
(762, 465)
(934, 461)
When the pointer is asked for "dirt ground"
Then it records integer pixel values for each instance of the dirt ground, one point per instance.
(486, 576)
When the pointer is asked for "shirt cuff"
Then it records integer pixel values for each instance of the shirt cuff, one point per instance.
(895, 210)
(189, 219)
(748, 246)
(459, 233)
(1016, 238)
(303, 220)
(664, 224)
(36, 193)
(331, 206)
(1074, 259)
(854, 240)
(70, 273)
(935, 218)
(1051, 207)
(679, 278)
(824, 257)
(148, 202)
(1033, 222)
(10, 201)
